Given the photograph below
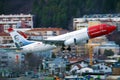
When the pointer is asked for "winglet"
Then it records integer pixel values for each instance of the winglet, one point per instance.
(10, 29)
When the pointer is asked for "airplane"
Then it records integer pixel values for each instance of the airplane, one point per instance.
(68, 39)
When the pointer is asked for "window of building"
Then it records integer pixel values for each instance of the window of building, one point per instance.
(4, 57)
(101, 68)
(54, 33)
(106, 68)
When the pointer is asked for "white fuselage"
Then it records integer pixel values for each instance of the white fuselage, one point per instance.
(79, 35)
(37, 47)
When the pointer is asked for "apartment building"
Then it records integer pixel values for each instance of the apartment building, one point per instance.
(16, 21)
(45, 32)
(5, 38)
(111, 45)
(10, 61)
(3, 59)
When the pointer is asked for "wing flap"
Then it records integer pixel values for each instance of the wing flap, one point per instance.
(54, 42)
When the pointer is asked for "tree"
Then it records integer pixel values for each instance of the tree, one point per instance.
(2, 6)
(119, 60)
(68, 68)
(33, 60)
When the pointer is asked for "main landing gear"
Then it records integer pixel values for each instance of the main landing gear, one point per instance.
(66, 48)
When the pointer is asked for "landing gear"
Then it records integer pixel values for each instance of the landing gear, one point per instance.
(66, 48)
(69, 48)
(63, 48)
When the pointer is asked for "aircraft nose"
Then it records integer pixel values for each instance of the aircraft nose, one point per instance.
(100, 30)
(111, 28)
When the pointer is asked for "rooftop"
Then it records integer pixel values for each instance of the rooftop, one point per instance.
(4, 34)
(46, 29)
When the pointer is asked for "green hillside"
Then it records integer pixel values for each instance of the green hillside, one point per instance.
(60, 13)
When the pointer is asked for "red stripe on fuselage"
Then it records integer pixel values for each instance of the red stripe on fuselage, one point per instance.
(100, 30)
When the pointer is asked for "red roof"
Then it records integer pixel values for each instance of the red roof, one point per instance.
(79, 66)
(72, 60)
(4, 34)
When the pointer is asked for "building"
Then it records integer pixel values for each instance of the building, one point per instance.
(79, 65)
(46, 32)
(104, 18)
(9, 59)
(3, 59)
(10, 62)
(102, 68)
(116, 68)
(16, 21)
(56, 66)
(108, 46)
(5, 38)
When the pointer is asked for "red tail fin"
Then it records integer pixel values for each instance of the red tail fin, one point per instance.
(23, 34)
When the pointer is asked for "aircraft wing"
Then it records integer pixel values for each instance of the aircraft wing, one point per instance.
(62, 42)
(54, 42)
